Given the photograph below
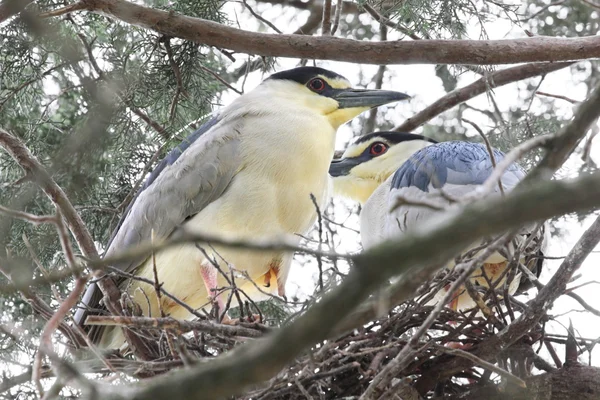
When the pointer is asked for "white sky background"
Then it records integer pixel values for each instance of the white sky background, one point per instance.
(420, 82)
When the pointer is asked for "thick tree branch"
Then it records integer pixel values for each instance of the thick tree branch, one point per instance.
(210, 33)
(568, 137)
(253, 363)
(486, 82)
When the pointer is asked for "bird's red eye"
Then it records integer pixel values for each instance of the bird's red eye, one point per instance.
(378, 148)
(316, 85)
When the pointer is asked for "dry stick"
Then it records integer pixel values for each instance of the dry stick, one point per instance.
(180, 91)
(320, 230)
(326, 24)
(531, 315)
(225, 376)
(144, 249)
(51, 326)
(481, 52)
(488, 147)
(177, 325)
(218, 77)
(511, 157)
(338, 13)
(393, 368)
(260, 18)
(492, 80)
(557, 96)
(483, 364)
(31, 218)
(387, 22)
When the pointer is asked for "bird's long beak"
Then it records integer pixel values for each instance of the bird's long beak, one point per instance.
(342, 166)
(354, 98)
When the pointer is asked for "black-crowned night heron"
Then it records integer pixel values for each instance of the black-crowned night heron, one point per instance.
(248, 173)
(381, 168)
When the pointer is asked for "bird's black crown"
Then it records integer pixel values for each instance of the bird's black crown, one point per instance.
(304, 74)
(394, 137)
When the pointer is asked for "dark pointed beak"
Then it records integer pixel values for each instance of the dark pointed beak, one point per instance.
(351, 98)
(342, 166)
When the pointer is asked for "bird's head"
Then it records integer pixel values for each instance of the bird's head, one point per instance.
(326, 93)
(370, 160)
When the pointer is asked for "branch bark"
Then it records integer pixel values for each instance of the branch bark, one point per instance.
(210, 33)
(486, 82)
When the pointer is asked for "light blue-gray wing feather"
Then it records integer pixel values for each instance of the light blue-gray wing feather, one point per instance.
(192, 176)
(455, 167)
(455, 163)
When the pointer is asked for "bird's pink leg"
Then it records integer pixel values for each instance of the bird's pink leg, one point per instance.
(209, 276)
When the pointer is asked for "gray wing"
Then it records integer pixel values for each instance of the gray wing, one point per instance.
(453, 163)
(192, 176)
(455, 167)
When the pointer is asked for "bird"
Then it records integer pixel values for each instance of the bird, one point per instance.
(388, 173)
(246, 174)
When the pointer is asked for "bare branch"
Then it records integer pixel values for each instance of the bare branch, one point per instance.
(557, 96)
(326, 24)
(458, 96)
(177, 325)
(210, 33)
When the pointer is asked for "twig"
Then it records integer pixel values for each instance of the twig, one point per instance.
(583, 303)
(260, 17)
(557, 96)
(492, 80)
(180, 91)
(392, 369)
(51, 326)
(177, 325)
(542, 9)
(336, 19)
(144, 249)
(326, 24)
(23, 85)
(591, 3)
(511, 157)
(489, 148)
(369, 125)
(31, 218)
(387, 22)
(482, 363)
(223, 81)
(320, 230)
(567, 138)
(162, 290)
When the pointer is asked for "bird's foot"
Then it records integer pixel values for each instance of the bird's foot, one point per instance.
(237, 321)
